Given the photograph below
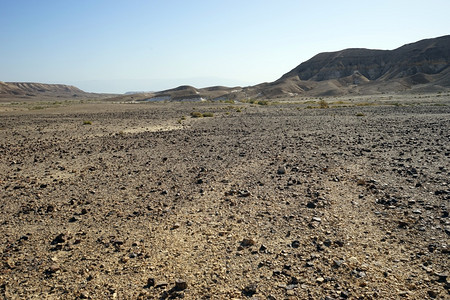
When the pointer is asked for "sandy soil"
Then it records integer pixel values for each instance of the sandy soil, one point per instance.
(141, 201)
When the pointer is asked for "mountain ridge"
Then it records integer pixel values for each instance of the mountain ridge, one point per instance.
(422, 66)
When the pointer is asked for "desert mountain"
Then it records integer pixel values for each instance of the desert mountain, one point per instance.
(423, 66)
(418, 67)
(32, 91)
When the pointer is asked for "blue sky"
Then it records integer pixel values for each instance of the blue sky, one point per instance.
(118, 46)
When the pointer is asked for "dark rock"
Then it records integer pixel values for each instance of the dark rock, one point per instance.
(281, 171)
(247, 242)
(295, 244)
(59, 239)
(250, 290)
(175, 226)
(263, 248)
(432, 294)
(150, 282)
(311, 204)
(339, 243)
(442, 277)
(180, 285)
(161, 284)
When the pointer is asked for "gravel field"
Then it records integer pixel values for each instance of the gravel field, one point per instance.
(142, 201)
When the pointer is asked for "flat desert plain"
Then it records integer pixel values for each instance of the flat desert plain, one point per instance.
(106, 200)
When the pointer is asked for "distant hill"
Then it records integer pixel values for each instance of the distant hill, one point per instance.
(42, 91)
(423, 66)
(185, 93)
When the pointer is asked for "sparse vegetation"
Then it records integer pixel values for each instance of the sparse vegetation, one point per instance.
(87, 122)
(360, 114)
(323, 104)
(196, 114)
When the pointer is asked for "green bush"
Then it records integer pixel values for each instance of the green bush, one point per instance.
(323, 104)
(196, 114)
(87, 123)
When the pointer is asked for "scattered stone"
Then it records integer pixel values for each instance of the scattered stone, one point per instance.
(180, 285)
(244, 193)
(59, 239)
(150, 282)
(432, 294)
(53, 269)
(311, 204)
(161, 284)
(281, 170)
(250, 290)
(175, 226)
(295, 244)
(248, 242)
(320, 280)
(337, 263)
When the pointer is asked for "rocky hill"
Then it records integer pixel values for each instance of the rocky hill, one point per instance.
(430, 56)
(33, 91)
(423, 66)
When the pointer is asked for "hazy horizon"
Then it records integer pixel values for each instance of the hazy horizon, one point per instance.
(116, 47)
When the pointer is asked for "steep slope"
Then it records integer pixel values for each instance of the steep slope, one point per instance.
(422, 66)
(429, 56)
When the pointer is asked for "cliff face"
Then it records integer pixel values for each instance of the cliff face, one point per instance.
(429, 56)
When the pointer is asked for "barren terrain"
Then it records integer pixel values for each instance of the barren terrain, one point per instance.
(277, 201)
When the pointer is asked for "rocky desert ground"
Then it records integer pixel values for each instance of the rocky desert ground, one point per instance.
(258, 201)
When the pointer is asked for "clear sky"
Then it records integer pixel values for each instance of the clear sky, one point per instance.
(118, 46)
